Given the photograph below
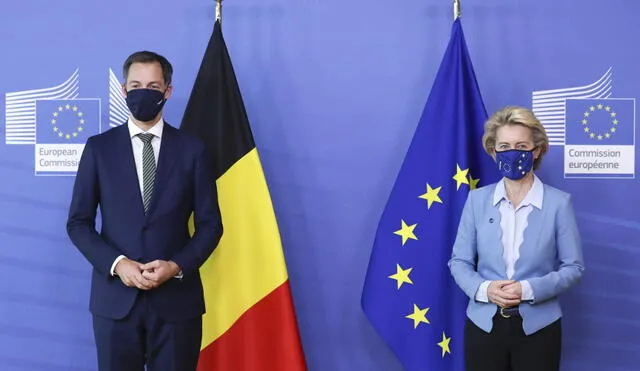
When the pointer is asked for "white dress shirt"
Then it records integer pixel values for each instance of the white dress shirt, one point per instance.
(513, 223)
(138, 145)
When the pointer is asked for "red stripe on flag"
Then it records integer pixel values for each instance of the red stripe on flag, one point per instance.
(265, 338)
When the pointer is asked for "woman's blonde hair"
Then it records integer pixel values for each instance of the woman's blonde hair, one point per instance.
(513, 115)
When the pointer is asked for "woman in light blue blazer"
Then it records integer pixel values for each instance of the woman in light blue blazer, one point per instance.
(517, 248)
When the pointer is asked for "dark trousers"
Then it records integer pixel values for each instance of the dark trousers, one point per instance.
(142, 338)
(507, 348)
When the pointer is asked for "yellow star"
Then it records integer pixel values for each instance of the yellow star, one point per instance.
(431, 196)
(615, 122)
(599, 137)
(473, 183)
(68, 136)
(461, 176)
(586, 130)
(600, 106)
(584, 122)
(75, 108)
(586, 114)
(401, 276)
(60, 134)
(80, 114)
(613, 130)
(75, 134)
(444, 344)
(592, 108)
(55, 114)
(406, 232)
(613, 114)
(80, 128)
(60, 108)
(607, 108)
(68, 106)
(55, 128)
(418, 316)
(607, 135)
(53, 121)
(592, 135)
(81, 121)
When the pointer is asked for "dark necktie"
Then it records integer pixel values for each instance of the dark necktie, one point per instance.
(148, 169)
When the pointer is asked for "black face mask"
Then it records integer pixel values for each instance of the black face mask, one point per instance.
(145, 104)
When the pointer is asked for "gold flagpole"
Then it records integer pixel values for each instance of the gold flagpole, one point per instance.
(219, 11)
(456, 9)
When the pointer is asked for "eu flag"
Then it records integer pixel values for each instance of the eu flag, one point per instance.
(409, 295)
(67, 120)
(600, 122)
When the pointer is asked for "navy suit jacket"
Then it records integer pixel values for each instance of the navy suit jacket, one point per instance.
(184, 185)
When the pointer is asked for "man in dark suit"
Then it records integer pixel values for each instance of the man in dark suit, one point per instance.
(147, 178)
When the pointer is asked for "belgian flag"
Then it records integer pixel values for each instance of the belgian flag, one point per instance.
(250, 322)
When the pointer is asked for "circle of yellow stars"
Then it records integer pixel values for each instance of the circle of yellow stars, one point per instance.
(407, 232)
(610, 112)
(56, 118)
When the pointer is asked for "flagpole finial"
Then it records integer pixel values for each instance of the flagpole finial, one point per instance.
(219, 11)
(456, 9)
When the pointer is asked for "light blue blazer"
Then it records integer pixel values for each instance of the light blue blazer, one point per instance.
(550, 256)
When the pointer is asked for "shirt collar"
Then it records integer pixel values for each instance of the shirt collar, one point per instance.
(534, 196)
(155, 129)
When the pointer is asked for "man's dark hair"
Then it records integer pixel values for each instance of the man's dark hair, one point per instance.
(148, 57)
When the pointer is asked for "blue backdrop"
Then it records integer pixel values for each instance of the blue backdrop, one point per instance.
(334, 90)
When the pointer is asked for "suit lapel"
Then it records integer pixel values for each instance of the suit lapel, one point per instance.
(494, 225)
(166, 161)
(127, 165)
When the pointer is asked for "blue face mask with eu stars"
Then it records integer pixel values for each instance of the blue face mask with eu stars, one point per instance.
(514, 163)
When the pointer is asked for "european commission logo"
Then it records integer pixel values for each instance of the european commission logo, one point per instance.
(596, 130)
(62, 128)
(57, 122)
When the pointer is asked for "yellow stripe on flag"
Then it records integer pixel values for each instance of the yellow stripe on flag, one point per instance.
(248, 263)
